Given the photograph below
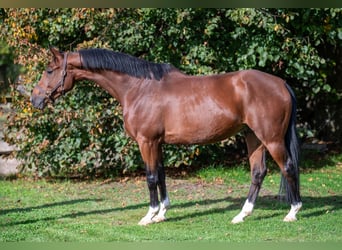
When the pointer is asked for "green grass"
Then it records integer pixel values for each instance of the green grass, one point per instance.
(202, 208)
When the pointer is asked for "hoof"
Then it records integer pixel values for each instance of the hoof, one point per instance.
(289, 219)
(237, 220)
(145, 222)
(157, 219)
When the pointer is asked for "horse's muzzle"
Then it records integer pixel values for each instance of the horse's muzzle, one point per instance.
(38, 101)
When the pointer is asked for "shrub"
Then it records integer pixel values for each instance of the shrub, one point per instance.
(83, 133)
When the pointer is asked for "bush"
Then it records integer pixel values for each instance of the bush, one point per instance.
(83, 133)
(8, 70)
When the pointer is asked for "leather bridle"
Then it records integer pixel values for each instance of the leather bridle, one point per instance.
(49, 93)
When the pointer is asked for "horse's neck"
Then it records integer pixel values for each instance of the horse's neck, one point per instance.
(116, 84)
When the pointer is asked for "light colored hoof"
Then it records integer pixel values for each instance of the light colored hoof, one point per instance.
(237, 220)
(291, 216)
(145, 222)
(159, 219)
(289, 219)
(246, 211)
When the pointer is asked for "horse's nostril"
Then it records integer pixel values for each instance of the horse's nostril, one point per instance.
(38, 101)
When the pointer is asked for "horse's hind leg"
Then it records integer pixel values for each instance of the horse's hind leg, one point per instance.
(279, 153)
(256, 152)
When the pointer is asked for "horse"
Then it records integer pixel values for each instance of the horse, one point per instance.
(162, 105)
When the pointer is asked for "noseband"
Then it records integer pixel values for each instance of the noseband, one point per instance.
(49, 93)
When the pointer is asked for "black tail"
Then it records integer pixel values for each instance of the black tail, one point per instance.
(292, 146)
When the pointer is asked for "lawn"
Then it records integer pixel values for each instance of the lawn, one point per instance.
(203, 204)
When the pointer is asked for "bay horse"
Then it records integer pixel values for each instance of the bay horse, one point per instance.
(163, 105)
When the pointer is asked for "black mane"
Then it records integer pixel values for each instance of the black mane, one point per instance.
(103, 59)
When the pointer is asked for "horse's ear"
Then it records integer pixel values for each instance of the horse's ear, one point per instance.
(54, 50)
(57, 55)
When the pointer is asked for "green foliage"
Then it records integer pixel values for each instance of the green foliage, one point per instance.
(83, 133)
(8, 70)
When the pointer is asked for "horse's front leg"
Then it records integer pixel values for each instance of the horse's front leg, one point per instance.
(152, 180)
(165, 202)
(152, 155)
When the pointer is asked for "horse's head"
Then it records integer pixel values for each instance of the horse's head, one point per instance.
(56, 80)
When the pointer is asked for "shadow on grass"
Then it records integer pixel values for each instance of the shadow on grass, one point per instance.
(70, 215)
(55, 204)
(312, 207)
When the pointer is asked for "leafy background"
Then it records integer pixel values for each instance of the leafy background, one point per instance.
(82, 134)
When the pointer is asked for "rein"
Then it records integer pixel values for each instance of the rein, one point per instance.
(61, 82)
